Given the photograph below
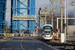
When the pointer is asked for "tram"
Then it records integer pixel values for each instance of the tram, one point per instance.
(47, 32)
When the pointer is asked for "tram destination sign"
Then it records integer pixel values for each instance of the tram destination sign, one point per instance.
(24, 17)
(47, 27)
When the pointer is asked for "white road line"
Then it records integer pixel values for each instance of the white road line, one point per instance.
(1, 41)
(6, 48)
(11, 48)
(21, 44)
(39, 48)
(50, 46)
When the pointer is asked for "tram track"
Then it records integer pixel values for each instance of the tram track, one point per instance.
(70, 45)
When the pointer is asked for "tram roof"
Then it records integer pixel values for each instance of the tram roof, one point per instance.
(47, 25)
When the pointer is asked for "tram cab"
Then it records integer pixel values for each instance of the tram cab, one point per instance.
(47, 32)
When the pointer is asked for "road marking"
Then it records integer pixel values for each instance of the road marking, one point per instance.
(1, 41)
(21, 44)
(50, 46)
(6, 48)
(11, 48)
(39, 48)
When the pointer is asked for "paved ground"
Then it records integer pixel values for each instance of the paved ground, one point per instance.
(1, 37)
(24, 43)
(69, 39)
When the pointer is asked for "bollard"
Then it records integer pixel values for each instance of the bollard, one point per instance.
(67, 35)
(57, 34)
(20, 34)
(27, 34)
(4, 34)
(13, 35)
(62, 37)
(31, 34)
(23, 34)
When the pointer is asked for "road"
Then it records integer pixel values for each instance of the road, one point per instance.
(1, 37)
(24, 43)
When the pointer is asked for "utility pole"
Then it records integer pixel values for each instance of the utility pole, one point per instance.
(45, 19)
(52, 16)
(52, 11)
(61, 16)
(65, 22)
(62, 33)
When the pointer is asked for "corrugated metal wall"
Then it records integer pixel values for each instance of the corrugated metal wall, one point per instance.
(71, 30)
(2, 15)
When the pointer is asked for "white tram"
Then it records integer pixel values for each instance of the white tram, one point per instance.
(47, 32)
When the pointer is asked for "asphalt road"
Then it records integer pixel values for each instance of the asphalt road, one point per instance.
(24, 43)
(1, 37)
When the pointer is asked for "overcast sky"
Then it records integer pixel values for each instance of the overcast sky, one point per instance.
(39, 3)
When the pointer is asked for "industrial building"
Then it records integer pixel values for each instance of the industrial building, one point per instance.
(23, 17)
(2, 15)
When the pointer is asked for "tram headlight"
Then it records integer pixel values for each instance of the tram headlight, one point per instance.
(45, 35)
(50, 35)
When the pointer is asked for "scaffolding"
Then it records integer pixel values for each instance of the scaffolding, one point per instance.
(24, 9)
(2, 15)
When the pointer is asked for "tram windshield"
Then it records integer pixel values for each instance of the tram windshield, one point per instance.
(48, 30)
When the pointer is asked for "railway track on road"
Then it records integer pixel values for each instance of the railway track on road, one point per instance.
(70, 45)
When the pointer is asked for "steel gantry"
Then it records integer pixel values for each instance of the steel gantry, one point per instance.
(23, 15)
(2, 15)
(50, 11)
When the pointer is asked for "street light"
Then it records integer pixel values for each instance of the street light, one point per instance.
(65, 23)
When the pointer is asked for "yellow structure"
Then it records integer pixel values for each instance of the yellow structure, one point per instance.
(9, 35)
(20, 34)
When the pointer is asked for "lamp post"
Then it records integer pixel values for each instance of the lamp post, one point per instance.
(65, 22)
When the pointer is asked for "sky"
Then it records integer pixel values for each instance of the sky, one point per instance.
(39, 3)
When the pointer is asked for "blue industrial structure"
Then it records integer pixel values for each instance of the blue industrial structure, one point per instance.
(2, 15)
(23, 7)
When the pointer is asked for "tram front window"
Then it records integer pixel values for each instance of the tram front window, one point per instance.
(48, 31)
